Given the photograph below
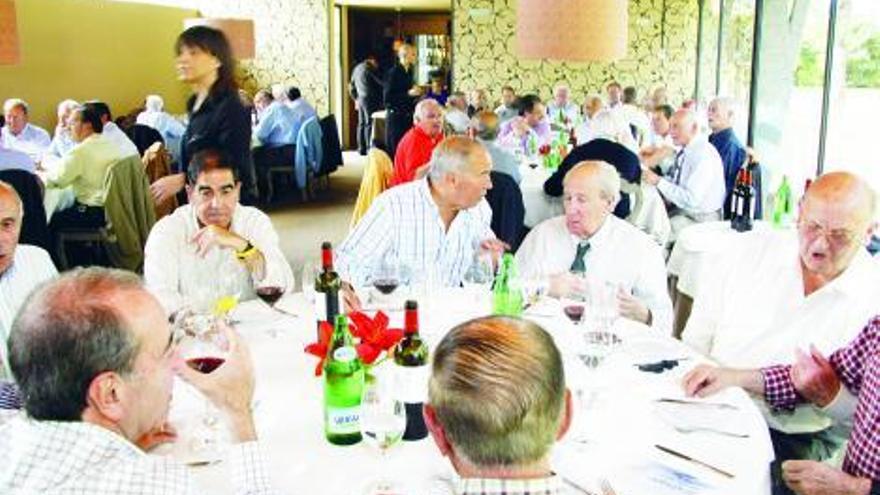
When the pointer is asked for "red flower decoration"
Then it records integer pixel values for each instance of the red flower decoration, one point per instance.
(544, 149)
(319, 348)
(374, 335)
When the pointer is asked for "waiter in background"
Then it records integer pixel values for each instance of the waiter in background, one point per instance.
(400, 94)
(365, 89)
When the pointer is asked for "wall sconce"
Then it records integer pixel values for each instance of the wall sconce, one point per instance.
(575, 30)
(239, 32)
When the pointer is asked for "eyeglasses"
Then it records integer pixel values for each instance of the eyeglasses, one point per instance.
(837, 237)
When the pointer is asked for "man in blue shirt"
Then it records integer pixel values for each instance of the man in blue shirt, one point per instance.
(733, 153)
(276, 131)
(302, 110)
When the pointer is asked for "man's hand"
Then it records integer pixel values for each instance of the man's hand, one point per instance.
(705, 380)
(814, 378)
(164, 433)
(166, 187)
(816, 478)
(650, 177)
(520, 126)
(230, 387)
(415, 91)
(566, 284)
(350, 298)
(632, 308)
(210, 236)
(495, 248)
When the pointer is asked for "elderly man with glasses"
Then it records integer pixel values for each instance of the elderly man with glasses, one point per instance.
(788, 290)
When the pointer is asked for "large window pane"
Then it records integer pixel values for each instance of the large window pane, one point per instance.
(855, 91)
(736, 58)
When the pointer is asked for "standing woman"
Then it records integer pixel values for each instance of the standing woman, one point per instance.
(217, 118)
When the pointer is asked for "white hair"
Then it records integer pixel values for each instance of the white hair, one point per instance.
(279, 92)
(605, 174)
(422, 108)
(11, 103)
(728, 103)
(67, 105)
(452, 156)
(154, 103)
(560, 86)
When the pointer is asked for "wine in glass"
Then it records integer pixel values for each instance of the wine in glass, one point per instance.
(574, 312)
(270, 294)
(383, 421)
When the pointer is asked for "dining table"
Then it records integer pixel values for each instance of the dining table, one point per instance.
(633, 429)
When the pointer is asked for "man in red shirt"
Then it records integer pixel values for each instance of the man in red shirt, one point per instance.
(414, 150)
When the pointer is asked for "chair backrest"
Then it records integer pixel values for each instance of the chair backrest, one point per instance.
(157, 164)
(130, 212)
(508, 209)
(332, 157)
(33, 227)
(143, 137)
(377, 177)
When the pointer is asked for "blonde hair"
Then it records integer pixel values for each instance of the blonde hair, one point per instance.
(498, 390)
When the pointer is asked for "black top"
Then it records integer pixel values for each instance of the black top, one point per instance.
(223, 123)
(366, 86)
(398, 82)
(625, 161)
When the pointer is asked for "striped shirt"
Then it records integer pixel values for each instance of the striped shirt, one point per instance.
(74, 457)
(551, 485)
(403, 226)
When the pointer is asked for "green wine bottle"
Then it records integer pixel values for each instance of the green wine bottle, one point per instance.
(507, 298)
(411, 358)
(343, 387)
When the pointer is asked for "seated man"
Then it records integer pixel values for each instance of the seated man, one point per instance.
(485, 127)
(694, 185)
(589, 239)
(84, 169)
(414, 149)
(213, 236)
(18, 134)
(477, 101)
(774, 293)
(62, 141)
(529, 129)
(507, 109)
(276, 129)
(433, 225)
(155, 116)
(818, 380)
(95, 359)
(659, 140)
(112, 131)
(733, 154)
(456, 113)
(302, 109)
(22, 268)
(479, 370)
(561, 108)
(592, 106)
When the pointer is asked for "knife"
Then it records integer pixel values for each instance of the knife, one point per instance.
(695, 461)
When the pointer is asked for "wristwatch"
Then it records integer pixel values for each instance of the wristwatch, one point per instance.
(246, 252)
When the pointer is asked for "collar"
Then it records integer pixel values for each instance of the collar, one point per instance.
(505, 486)
(421, 134)
(597, 239)
(861, 273)
(696, 142)
(98, 435)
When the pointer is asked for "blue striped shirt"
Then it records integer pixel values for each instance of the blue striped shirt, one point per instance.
(278, 126)
(403, 225)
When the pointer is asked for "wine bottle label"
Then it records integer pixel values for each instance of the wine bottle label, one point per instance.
(321, 306)
(345, 354)
(343, 420)
(412, 383)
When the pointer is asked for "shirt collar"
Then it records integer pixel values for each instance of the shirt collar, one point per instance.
(860, 274)
(551, 485)
(98, 435)
(598, 237)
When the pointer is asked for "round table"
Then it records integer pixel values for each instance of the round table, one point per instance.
(613, 435)
(538, 205)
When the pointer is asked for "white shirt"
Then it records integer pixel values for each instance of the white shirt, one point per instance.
(755, 313)
(174, 273)
(116, 136)
(635, 116)
(458, 120)
(699, 189)
(32, 140)
(73, 457)
(30, 267)
(571, 111)
(403, 225)
(15, 160)
(619, 253)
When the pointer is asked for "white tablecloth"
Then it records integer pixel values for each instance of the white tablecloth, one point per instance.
(620, 425)
(697, 246)
(539, 206)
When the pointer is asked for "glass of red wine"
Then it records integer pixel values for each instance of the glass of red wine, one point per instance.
(574, 312)
(204, 348)
(385, 280)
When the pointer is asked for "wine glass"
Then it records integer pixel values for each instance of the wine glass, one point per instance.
(574, 312)
(383, 421)
(385, 279)
(309, 273)
(479, 275)
(204, 348)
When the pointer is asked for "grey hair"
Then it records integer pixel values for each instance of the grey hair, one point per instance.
(607, 176)
(728, 103)
(279, 92)
(7, 188)
(154, 103)
(67, 105)
(11, 103)
(422, 108)
(452, 155)
(70, 330)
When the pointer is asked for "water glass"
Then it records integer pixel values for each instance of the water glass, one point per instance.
(383, 421)
(309, 273)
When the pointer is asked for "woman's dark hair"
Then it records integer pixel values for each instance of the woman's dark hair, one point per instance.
(212, 41)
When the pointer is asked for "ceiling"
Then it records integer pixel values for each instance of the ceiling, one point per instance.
(445, 5)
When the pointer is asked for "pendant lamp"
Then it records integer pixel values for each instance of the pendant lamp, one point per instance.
(572, 30)
(10, 53)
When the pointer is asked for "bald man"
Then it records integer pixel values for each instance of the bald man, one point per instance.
(733, 154)
(787, 290)
(694, 186)
(589, 239)
(22, 267)
(414, 150)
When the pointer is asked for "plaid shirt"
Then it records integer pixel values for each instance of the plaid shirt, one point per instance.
(51, 457)
(552, 485)
(858, 367)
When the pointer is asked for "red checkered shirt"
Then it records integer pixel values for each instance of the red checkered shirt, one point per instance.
(858, 367)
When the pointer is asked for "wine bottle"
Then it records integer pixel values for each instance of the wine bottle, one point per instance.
(782, 206)
(327, 285)
(343, 387)
(507, 296)
(411, 358)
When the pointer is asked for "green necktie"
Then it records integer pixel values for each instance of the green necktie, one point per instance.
(578, 265)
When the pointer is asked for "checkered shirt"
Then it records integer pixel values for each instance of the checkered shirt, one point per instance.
(858, 367)
(552, 485)
(77, 458)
